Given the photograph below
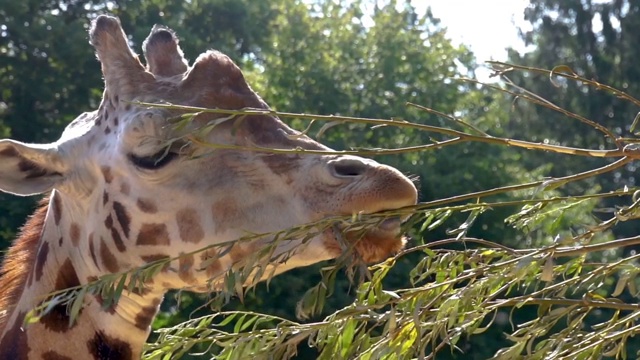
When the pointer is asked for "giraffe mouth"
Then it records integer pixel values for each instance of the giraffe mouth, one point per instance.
(371, 242)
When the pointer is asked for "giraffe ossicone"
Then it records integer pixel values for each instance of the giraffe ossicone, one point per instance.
(120, 197)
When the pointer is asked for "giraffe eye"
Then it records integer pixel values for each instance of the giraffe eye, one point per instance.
(155, 161)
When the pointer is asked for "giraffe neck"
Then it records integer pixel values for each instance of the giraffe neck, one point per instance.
(59, 261)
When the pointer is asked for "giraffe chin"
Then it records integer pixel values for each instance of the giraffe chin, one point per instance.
(371, 245)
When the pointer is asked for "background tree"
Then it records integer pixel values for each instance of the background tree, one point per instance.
(597, 40)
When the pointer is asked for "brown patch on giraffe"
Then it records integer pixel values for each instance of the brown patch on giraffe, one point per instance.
(147, 206)
(153, 234)
(107, 130)
(15, 345)
(123, 217)
(43, 252)
(185, 268)
(115, 235)
(56, 206)
(189, 225)
(156, 257)
(108, 260)
(115, 121)
(145, 317)
(67, 276)
(226, 214)
(238, 252)
(104, 347)
(19, 261)
(125, 188)
(60, 241)
(211, 260)
(108, 222)
(57, 319)
(118, 240)
(105, 198)
(106, 173)
(92, 252)
(74, 234)
(52, 355)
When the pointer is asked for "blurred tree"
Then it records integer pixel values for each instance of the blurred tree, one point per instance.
(356, 58)
(596, 39)
(48, 76)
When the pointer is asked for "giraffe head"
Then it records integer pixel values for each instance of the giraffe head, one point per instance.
(128, 186)
(132, 184)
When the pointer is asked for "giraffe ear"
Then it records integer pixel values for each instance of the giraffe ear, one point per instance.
(28, 169)
(123, 73)
(163, 54)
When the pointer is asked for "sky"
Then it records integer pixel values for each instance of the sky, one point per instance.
(486, 26)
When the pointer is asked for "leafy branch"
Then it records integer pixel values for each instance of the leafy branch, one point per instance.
(455, 293)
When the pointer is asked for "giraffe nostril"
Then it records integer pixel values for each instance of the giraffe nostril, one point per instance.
(348, 167)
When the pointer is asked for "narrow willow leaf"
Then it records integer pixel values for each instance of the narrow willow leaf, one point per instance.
(480, 330)
(620, 285)
(634, 124)
(613, 351)
(391, 323)
(76, 306)
(631, 284)
(560, 69)
(31, 317)
(118, 290)
(249, 322)
(228, 319)
(543, 310)
(547, 271)
(346, 338)
(427, 221)
(326, 127)
(239, 322)
(441, 218)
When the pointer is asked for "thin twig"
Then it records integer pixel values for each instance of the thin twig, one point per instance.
(563, 302)
(629, 152)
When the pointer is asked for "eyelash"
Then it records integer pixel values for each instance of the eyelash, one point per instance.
(155, 161)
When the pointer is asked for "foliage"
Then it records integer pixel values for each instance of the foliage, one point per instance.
(454, 294)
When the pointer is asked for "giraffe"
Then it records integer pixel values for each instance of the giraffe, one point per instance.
(120, 197)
